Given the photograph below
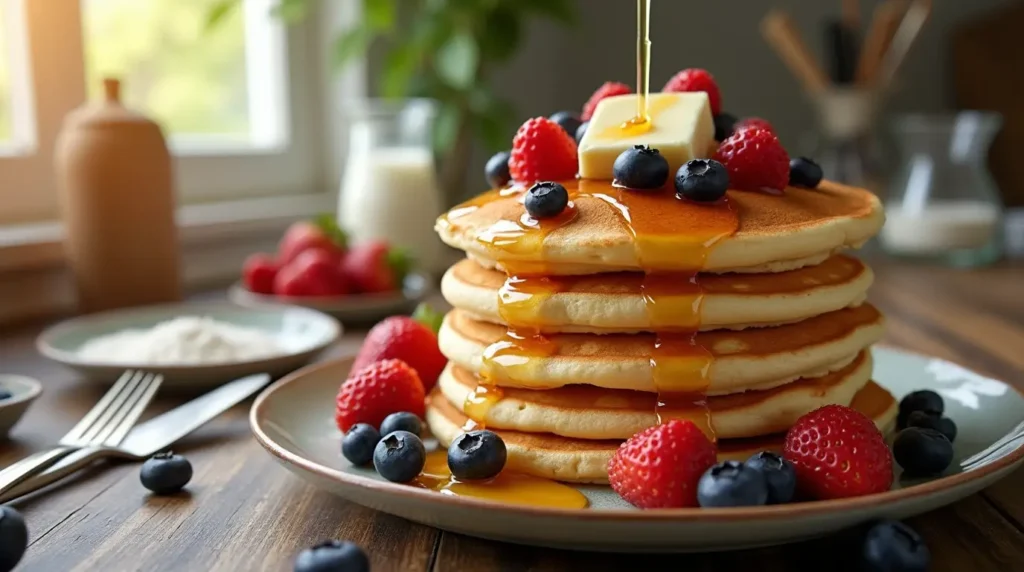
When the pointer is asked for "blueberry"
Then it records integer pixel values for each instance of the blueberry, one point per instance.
(581, 131)
(921, 400)
(703, 180)
(732, 484)
(13, 537)
(496, 170)
(922, 452)
(926, 420)
(5, 393)
(567, 120)
(892, 546)
(724, 125)
(358, 444)
(640, 168)
(804, 173)
(399, 457)
(332, 555)
(477, 455)
(165, 473)
(778, 473)
(546, 200)
(401, 421)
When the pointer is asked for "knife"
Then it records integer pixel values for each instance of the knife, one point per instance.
(153, 436)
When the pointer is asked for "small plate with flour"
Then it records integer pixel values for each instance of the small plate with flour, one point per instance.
(191, 344)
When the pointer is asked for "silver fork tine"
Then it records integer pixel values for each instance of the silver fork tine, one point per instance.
(116, 433)
(78, 430)
(118, 402)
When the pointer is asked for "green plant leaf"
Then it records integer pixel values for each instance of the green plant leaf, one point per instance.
(428, 316)
(457, 60)
(399, 69)
(446, 126)
(218, 13)
(379, 14)
(350, 44)
(561, 11)
(500, 37)
(492, 119)
(291, 11)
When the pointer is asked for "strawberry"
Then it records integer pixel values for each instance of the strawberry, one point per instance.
(373, 392)
(258, 273)
(696, 79)
(313, 272)
(303, 235)
(838, 452)
(542, 151)
(754, 123)
(755, 160)
(407, 339)
(607, 89)
(375, 267)
(660, 466)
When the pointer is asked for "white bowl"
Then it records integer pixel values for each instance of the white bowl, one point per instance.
(23, 390)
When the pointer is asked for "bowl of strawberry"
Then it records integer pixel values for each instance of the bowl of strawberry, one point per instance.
(316, 266)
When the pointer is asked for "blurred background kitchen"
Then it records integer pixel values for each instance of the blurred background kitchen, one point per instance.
(262, 106)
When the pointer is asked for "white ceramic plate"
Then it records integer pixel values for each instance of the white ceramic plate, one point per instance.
(23, 392)
(357, 308)
(301, 332)
(294, 420)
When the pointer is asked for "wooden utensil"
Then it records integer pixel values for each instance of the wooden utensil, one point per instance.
(884, 22)
(779, 30)
(906, 36)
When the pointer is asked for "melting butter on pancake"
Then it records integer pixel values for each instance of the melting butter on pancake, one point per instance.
(588, 412)
(615, 302)
(586, 461)
(755, 358)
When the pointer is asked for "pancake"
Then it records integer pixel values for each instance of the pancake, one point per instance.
(766, 233)
(585, 461)
(587, 412)
(615, 302)
(756, 358)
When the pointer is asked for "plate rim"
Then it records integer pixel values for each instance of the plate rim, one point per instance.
(678, 515)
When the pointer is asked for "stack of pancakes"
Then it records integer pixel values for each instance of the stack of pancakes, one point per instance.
(569, 336)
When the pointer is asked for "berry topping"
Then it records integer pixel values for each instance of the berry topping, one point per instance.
(660, 466)
(704, 180)
(542, 151)
(922, 452)
(581, 131)
(926, 420)
(399, 457)
(778, 474)
(640, 168)
(725, 124)
(258, 273)
(477, 455)
(892, 546)
(165, 473)
(358, 444)
(412, 340)
(13, 537)
(696, 79)
(754, 123)
(496, 170)
(568, 120)
(804, 173)
(607, 89)
(401, 421)
(732, 484)
(332, 555)
(376, 391)
(922, 400)
(755, 160)
(838, 452)
(546, 200)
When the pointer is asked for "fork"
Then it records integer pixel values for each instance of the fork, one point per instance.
(106, 424)
(995, 449)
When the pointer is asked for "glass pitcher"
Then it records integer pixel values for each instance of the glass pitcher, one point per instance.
(943, 205)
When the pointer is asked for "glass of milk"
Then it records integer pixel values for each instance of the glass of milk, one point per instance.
(389, 187)
(943, 204)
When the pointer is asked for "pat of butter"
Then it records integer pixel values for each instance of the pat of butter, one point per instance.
(681, 128)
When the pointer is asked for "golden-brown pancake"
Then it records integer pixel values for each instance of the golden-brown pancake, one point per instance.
(586, 461)
(755, 358)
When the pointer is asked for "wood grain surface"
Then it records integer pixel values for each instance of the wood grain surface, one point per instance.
(244, 512)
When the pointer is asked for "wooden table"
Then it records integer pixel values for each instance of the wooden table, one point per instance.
(244, 512)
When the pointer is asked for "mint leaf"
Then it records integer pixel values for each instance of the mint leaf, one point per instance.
(329, 225)
(428, 316)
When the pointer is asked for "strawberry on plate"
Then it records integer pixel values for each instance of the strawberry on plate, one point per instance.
(314, 272)
(412, 340)
(259, 272)
(377, 390)
(322, 233)
(542, 151)
(374, 266)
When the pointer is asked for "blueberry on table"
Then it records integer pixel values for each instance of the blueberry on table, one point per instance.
(496, 170)
(13, 538)
(399, 456)
(165, 473)
(921, 400)
(892, 546)
(546, 200)
(581, 131)
(804, 173)
(725, 123)
(567, 120)
(778, 473)
(332, 556)
(358, 444)
(703, 180)
(477, 455)
(401, 421)
(640, 167)
(732, 483)
(926, 420)
(922, 452)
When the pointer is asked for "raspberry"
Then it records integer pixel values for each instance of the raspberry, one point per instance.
(754, 123)
(696, 79)
(542, 151)
(755, 160)
(607, 89)
(660, 466)
(838, 452)
(378, 390)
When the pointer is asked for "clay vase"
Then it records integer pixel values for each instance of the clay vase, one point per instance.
(115, 185)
